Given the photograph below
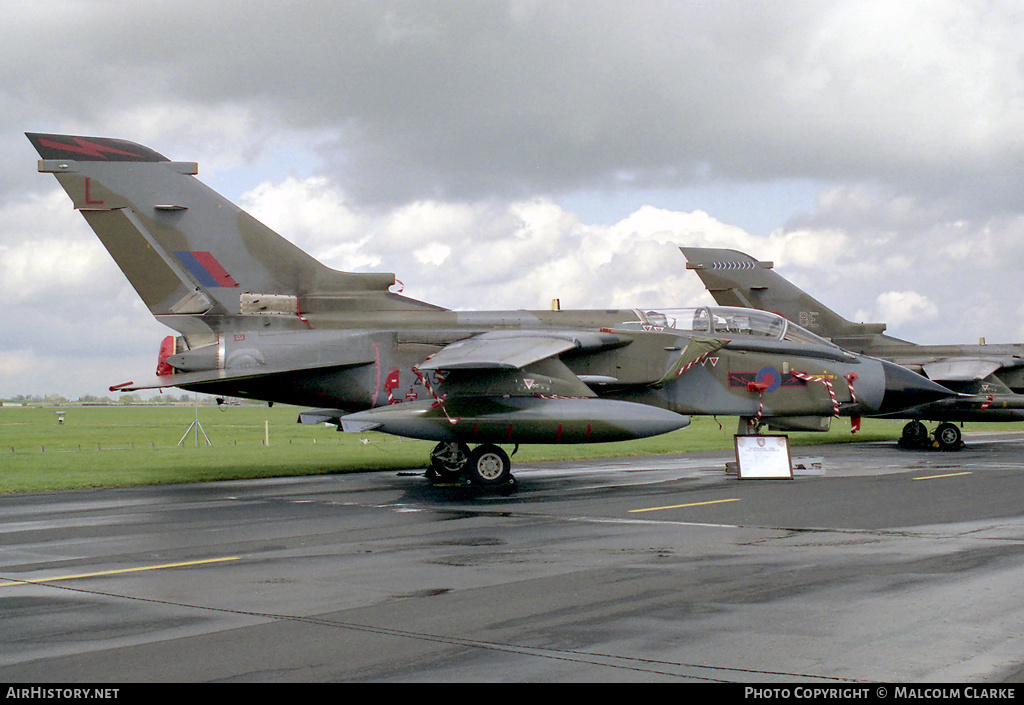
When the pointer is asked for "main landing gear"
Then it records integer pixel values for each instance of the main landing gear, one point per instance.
(946, 437)
(486, 465)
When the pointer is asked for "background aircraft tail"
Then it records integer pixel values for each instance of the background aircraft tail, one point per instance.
(190, 253)
(736, 279)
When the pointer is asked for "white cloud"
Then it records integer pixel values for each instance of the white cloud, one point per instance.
(457, 100)
(433, 254)
(315, 215)
(899, 307)
(489, 256)
(17, 364)
(44, 251)
(440, 139)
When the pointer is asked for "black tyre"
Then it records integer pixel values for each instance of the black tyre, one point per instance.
(914, 433)
(488, 465)
(948, 436)
(448, 460)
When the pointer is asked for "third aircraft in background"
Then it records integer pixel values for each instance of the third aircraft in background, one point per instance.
(989, 378)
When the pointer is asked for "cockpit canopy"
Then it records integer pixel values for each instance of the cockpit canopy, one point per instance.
(725, 320)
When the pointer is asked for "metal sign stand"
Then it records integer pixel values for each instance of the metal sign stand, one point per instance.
(197, 426)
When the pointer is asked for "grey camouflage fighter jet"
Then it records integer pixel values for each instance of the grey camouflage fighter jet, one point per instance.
(989, 379)
(257, 317)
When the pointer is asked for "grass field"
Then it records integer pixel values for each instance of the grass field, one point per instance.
(119, 446)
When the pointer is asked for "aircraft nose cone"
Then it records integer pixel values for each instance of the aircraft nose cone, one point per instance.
(905, 389)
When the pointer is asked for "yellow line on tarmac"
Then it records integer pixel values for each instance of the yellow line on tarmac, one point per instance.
(935, 477)
(680, 506)
(116, 572)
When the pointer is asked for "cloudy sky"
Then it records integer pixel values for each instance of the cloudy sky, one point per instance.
(501, 154)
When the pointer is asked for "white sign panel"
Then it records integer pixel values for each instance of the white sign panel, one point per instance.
(763, 457)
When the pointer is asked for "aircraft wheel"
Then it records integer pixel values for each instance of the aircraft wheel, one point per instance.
(948, 436)
(448, 460)
(914, 433)
(489, 465)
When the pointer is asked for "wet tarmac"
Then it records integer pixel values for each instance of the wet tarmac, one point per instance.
(872, 564)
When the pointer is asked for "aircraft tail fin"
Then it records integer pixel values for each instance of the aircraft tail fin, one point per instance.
(734, 278)
(188, 251)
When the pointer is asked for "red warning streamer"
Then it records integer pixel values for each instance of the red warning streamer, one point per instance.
(438, 400)
(851, 377)
(828, 385)
(758, 387)
(693, 363)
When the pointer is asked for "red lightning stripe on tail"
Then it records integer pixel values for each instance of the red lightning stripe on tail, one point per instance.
(87, 148)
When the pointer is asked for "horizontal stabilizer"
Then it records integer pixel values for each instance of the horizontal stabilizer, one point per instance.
(191, 380)
(964, 369)
(319, 416)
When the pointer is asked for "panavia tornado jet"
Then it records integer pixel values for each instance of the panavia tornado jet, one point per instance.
(989, 379)
(257, 317)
